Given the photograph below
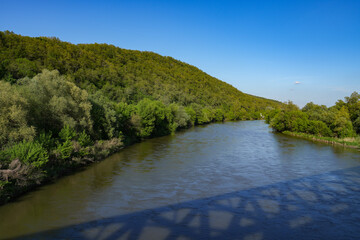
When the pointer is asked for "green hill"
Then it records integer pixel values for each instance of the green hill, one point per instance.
(122, 75)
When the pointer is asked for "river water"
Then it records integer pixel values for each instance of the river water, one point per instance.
(236, 180)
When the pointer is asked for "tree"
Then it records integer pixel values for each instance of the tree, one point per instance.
(342, 126)
(152, 116)
(353, 104)
(177, 117)
(13, 116)
(55, 102)
(319, 128)
(356, 125)
(106, 124)
(290, 106)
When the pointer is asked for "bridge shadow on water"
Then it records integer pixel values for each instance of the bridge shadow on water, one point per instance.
(325, 206)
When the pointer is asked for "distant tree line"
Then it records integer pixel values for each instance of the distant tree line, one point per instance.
(340, 121)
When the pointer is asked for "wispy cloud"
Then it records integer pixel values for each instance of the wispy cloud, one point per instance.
(297, 82)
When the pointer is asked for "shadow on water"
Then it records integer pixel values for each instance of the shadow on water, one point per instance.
(324, 206)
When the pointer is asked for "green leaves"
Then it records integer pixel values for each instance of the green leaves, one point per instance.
(28, 152)
(122, 76)
(319, 120)
(14, 114)
(64, 150)
(67, 133)
(55, 102)
(342, 126)
(84, 139)
(152, 117)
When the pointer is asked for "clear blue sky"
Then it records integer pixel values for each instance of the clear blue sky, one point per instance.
(261, 47)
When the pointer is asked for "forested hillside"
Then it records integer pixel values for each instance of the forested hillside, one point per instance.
(122, 75)
(64, 105)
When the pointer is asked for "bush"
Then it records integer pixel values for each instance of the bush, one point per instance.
(300, 125)
(27, 152)
(84, 139)
(153, 121)
(103, 149)
(64, 150)
(219, 115)
(46, 140)
(192, 114)
(278, 122)
(319, 128)
(105, 119)
(177, 117)
(67, 133)
(357, 125)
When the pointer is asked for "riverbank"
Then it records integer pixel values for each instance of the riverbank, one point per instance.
(20, 178)
(345, 142)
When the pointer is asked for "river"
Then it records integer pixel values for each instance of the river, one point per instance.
(235, 180)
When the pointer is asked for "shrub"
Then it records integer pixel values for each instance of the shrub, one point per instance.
(84, 139)
(103, 149)
(67, 133)
(28, 152)
(192, 114)
(319, 128)
(153, 121)
(46, 140)
(64, 150)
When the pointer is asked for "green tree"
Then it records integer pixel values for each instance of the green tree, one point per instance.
(353, 105)
(55, 102)
(106, 121)
(319, 128)
(342, 126)
(153, 120)
(177, 117)
(14, 126)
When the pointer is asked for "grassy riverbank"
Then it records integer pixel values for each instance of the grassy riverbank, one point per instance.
(350, 142)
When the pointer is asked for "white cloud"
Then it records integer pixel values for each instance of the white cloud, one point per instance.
(297, 82)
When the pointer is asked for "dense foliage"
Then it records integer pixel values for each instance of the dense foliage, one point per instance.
(123, 75)
(64, 105)
(340, 121)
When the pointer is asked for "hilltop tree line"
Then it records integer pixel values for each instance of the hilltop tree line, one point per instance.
(64, 105)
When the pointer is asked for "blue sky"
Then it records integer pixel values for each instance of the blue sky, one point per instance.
(285, 50)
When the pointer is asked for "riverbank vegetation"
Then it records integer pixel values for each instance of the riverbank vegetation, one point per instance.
(63, 106)
(339, 124)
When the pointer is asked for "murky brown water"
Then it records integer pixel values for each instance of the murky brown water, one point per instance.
(236, 180)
